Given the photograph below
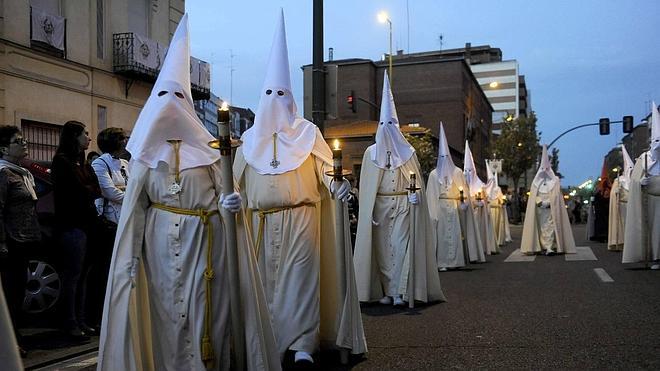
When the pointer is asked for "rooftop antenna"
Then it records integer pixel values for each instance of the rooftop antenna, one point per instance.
(231, 76)
(441, 40)
(408, 24)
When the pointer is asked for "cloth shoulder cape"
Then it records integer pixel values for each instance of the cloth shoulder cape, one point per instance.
(341, 318)
(634, 234)
(564, 240)
(126, 309)
(427, 282)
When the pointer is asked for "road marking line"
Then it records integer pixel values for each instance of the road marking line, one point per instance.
(600, 272)
(517, 256)
(583, 253)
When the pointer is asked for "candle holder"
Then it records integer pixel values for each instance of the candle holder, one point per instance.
(460, 191)
(413, 183)
(338, 172)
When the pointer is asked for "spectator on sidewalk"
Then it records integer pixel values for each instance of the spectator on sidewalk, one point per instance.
(19, 227)
(75, 189)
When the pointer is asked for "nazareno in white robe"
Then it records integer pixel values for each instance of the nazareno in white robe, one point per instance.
(554, 220)
(617, 219)
(309, 281)
(155, 321)
(427, 282)
(635, 243)
(453, 231)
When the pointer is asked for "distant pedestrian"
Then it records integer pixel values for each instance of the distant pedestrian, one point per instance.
(19, 227)
(618, 203)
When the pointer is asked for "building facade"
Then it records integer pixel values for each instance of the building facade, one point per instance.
(426, 92)
(91, 61)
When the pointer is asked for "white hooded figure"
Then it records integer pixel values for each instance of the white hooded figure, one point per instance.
(382, 244)
(546, 226)
(496, 203)
(618, 203)
(642, 231)
(167, 303)
(309, 280)
(479, 198)
(453, 226)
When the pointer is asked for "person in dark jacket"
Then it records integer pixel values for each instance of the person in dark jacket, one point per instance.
(75, 189)
(19, 227)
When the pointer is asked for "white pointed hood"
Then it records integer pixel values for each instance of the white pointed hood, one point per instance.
(445, 166)
(277, 114)
(470, 172)
(169, 114)
(391, 149)
(654, 164)
(492, 187)
(628, 165)
(544, 175)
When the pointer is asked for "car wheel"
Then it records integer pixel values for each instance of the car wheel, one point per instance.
(43, 287)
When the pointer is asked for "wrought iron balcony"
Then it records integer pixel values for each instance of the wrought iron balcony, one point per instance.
(139, 58)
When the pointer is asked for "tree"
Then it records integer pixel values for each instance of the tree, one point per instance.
(554, 162)
(426, 148)
(518, 146)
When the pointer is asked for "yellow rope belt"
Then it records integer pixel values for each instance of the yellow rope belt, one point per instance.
(262, 216)
(387, 194)
(204, 216)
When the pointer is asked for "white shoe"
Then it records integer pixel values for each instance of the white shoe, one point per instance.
(655, 267)
(398, 301)
(443, 269)
(386, 300)
(301, 356)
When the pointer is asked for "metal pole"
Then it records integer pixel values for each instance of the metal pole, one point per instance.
(411, 252)
(391, 76)
(318, 73)
(229, 221)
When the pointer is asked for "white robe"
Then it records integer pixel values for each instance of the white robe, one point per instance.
(155, 320)
(547, 227)
(636, 233)
(309, 286)
(9, 358)
(453, 230)
(484, 221)
(369, 237)
(617, 219)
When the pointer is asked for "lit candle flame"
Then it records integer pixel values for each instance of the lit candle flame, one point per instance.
(460, 189)
(336, 144)
(224, 107)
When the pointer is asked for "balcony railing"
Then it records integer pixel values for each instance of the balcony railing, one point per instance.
(140, 58)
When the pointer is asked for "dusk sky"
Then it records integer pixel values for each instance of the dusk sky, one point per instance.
(582, 60)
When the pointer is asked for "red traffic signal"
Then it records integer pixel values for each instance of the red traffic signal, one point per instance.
(351, 100)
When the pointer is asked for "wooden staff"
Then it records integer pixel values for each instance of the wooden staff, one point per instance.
(645, 214)
(223, 143)
(411, 260)
(463, 223)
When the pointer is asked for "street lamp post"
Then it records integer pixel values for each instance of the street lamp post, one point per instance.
(382, 18)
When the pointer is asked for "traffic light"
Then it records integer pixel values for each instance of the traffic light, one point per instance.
(628, 124)
(604, 126)
(352, 101)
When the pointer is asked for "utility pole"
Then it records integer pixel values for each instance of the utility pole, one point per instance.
(318, 71)
(231, 76)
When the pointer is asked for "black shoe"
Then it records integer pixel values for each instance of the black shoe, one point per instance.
(89, 331)
(76, 334)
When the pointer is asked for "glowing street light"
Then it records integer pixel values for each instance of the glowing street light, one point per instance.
(382, 18)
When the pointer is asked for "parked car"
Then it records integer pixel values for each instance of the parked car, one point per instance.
(44, 280)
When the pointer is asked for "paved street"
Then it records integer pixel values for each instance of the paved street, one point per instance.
(512, 312)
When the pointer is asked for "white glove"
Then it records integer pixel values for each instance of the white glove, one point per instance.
(463, 206)
(231, 202)
(545, 204)
(480, 203)
(340, 190)
(133, 271)
(413, 199)
(644, 181)
(374, 223)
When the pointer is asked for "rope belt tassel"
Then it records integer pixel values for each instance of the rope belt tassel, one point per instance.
(209, 274)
